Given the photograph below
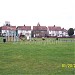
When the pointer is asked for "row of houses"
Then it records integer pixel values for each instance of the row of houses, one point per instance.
(37, 31)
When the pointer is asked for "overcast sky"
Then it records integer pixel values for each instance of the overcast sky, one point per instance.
(46, 12)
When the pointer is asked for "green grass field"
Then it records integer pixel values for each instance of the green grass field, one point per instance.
(37, 58)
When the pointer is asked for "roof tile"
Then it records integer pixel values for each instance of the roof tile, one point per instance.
(24, 27)
(39, 28)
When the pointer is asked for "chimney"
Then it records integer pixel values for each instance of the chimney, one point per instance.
(54, 25)
(38, 24)
(24, 24)
(63, 28)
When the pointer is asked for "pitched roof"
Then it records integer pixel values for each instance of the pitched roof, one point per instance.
(54, 28)
(8, 27)
(24, 27)
(64, 30)
(39, 28)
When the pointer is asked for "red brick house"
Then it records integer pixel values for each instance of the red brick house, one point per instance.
(39, 31)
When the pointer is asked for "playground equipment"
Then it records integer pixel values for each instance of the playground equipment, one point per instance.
(24, 37)
(13, 37)
(10, 38)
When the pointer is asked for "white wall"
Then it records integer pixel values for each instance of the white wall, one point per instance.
(74, 32)
(26, 33)
(5, 31)
(9, 33)
(58, 33)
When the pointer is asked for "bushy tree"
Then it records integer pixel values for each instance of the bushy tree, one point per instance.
(70, 31)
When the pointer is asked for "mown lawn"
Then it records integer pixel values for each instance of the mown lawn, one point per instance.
(37, 58)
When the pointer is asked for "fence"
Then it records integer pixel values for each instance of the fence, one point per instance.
(39, 40)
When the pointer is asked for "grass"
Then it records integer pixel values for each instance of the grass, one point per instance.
(37, 58)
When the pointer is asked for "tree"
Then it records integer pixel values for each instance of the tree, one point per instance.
(70, 32)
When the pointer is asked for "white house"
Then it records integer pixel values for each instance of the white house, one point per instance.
(55, 31)
(24, 30)
(64, 32)
(9, 32)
